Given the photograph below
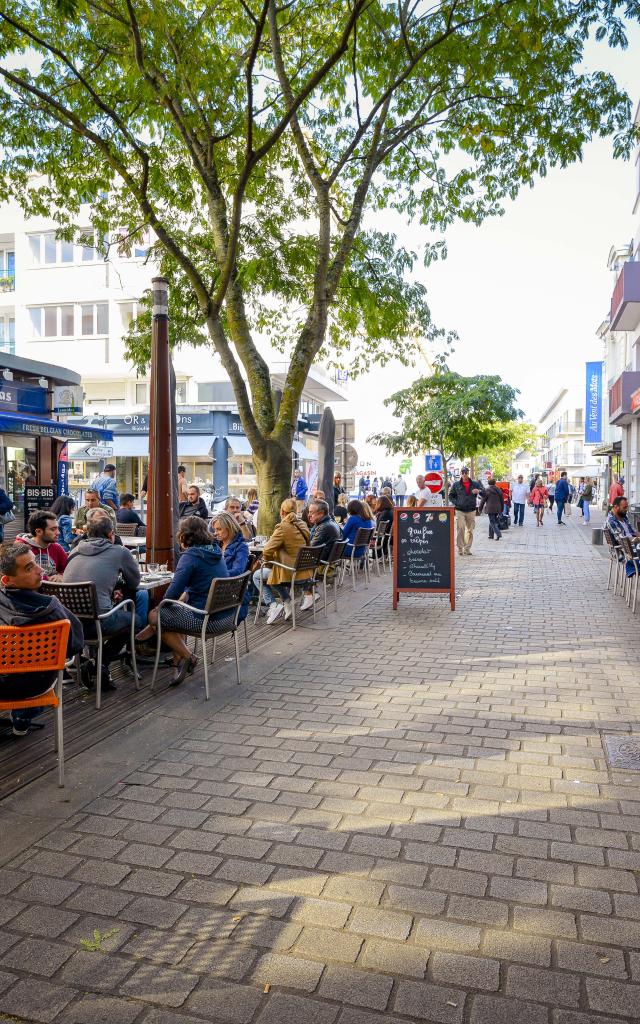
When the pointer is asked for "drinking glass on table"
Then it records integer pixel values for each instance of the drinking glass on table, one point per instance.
(152, 567)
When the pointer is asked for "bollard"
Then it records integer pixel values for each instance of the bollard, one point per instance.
(596, 535)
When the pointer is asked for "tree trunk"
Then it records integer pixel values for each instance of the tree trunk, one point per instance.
(445, 474)
(274, 482)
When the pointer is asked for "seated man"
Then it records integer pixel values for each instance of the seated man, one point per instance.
(620, 526)
(325, 531)
(244, 519)
(91, 500)
(42, 539)
(194, 505)
(127, 514)
(99, 560)
(22, 605)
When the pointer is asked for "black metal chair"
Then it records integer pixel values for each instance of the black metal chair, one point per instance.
(630, 582)
(378, 548)
(308, 558)
(331, 565)
(127, 529)
(615, 551)
(82, 600)
(225, 595)
(362, 539)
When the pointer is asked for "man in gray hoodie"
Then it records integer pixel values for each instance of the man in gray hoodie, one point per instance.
(97, 559)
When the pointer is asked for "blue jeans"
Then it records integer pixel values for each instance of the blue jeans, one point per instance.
(586, 511)
(560, 503)
(518, 513)
(493, 526)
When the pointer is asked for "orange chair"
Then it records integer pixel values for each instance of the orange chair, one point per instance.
(37, 649)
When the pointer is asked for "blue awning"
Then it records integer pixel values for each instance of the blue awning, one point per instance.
(18, 423)
(239, 444)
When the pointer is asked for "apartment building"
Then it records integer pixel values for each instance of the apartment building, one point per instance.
(562, 432)
(71, 304)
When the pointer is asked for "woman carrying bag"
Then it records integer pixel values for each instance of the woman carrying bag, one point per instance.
(539, 498)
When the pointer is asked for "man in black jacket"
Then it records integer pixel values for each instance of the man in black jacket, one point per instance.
(324, 530)
(195, 505)
(493, 503)
(21, 604)
(463, 496)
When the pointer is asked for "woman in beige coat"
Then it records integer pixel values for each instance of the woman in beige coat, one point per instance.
(290, 534)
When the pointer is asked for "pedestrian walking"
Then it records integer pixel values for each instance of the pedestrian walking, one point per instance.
(400, 489)
(462, 496)
(563, 494)
(587, 498)
(493, 502)
(539, 496)
(551, 492)
(519, 497)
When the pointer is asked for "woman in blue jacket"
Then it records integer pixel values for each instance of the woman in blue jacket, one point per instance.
(6, 505)
(359, 518)
(235, 551)
(63, 508)
(201, 562)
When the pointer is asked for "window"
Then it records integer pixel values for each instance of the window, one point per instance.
(142, 243)
(52, 321)
(94, 318)
(8, 335)
(181, 393)
(142, 394)
(7, 270)
(128, 313)
(50, 248)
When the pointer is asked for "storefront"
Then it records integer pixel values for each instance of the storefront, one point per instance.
(33, 428)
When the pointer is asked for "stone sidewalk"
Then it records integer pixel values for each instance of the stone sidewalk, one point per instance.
(400, 817)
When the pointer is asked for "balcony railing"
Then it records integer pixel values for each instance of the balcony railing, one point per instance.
(625, 301)
(620, 404)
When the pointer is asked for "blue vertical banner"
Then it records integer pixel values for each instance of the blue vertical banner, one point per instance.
(63, 470)
(593, 404)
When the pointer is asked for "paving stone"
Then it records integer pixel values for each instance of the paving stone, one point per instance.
(248, 871)
(288, 971)
(576, 898)
(39, 1002)
(478, 911)
(446, 935)
(152, 883)
(223, 959)
(44, 921)
(464, 882)
(517, 946)
(98, 846)
(385, 924)
(322, 912)
(95, 971)
(584, 958)
(430, 1002)
(101, 1009)
(327, 945)
(492, 1010)
(550, 986)
(37, 956)
(355, 890)
(225, 1001)
(206, 891)
(48, 862)
(51, 891)
(394, 958)
(520, 890)
(467, 971)
(101, 871)
(167, 947)
(544, 922)
(144, 855)
(259, 901)
(614, 997)
(113, 933)
(570, 1017)
(156, 912)
(346, 985)
(283, 1008)
(191, 863)
(419, 901)
(162, 985)
(610, 931)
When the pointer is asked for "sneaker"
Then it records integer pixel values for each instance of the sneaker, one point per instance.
(307, 602)
(275, 610)
(288, 610)
(19, 726)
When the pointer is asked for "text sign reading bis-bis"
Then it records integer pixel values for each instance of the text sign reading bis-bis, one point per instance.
(423, 560)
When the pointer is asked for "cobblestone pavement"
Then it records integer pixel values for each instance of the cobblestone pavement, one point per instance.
(407, 818)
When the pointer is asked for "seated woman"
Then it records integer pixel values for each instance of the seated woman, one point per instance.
(359, 518)
(63, 508)
(201, 562)
(384, 514)
(340, 511)
(290, 534)
(235, 550)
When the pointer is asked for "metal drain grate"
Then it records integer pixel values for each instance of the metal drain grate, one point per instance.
(622, 751)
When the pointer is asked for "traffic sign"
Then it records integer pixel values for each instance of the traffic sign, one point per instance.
(100, 451)
(434, 482)
(433, 463)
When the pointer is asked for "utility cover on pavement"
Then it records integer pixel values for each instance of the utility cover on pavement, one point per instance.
(622, 751)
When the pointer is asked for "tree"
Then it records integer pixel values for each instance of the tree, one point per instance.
(259, 140)
(455, 415)
(510, 438)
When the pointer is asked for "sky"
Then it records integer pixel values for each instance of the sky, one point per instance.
(526, 291)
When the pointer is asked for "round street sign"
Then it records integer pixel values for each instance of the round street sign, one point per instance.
(434, 481)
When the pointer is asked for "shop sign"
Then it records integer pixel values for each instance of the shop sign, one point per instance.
(235, 424)
(8, 397)
(36, 498)
(138, 423)
(68, 398)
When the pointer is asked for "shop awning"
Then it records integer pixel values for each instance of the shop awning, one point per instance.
(239, 445)
(40, 426)
(194, 446)
(135, 445)
(303, 452)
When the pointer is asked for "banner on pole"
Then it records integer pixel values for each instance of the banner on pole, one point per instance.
(593, 404)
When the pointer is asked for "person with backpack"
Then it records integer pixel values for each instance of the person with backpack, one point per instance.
(106, 487)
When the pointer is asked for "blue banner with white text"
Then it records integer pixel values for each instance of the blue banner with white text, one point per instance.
(593, 404)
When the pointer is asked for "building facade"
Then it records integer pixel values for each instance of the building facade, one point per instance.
(562, 433)
(67, 303)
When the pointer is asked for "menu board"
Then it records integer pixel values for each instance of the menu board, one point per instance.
(36, 498)
(423, 551)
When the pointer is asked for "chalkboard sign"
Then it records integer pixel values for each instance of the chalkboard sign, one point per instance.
(35, 498)
(423, 551)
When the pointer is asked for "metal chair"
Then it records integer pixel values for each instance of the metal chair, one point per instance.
(615, 551)
(127, 529)
(308, 558)
(378, 547)
(225, 595)
(333, 563)
(362, 539)
(82, 600)
(630, 582)
(37, 649)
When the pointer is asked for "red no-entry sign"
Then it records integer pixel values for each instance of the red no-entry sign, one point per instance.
(434, 481)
